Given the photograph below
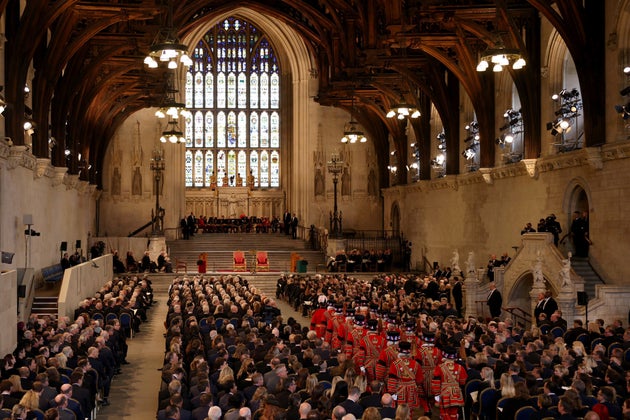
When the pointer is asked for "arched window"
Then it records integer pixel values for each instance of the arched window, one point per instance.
(233, 93)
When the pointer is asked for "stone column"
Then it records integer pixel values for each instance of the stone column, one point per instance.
(471, 293)
(567, 303)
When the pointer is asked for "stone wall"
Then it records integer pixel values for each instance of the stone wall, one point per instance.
(63, 208)
(484, 211)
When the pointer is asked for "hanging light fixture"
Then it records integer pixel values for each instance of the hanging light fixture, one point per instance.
(500, 56)
(173, 134)
(351, 133)
(169, 107)
(402, 110)
(166, 47)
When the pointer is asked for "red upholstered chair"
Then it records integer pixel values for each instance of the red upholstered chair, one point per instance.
(239, 261)
(262, 261)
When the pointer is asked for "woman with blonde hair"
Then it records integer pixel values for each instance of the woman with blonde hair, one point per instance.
(18, 391)
(30, 400)
(371, 413)
(226, 375)
(507, 385)
(361, 383)
(403, 412)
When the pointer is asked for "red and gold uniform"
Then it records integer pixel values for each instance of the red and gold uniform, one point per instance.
(448, 379)
(409, 334)
(404, 377)
(319, 320)
(353, 339)
(335, 328)
(429, 357)
(370, 349)
(387, 356)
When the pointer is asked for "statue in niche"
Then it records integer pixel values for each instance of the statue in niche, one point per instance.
(565, 272)
(213, 181)
(346, 188)
(319, 182)
(455, 262)
(136, 162)
(116, 181)
(371, 187)
(136, 182)
(470, 264)
(537, 270)
(251, 180)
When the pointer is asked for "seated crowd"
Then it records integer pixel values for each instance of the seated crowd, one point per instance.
(361, 260)
(63, 369)
(144, 265)
(374, 349)
(235, 225)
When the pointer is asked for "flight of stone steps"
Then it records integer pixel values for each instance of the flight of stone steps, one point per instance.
(45, 305)
(220, 247)
(583, 268)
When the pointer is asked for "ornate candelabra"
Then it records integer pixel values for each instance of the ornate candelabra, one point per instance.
(335, 167)
(157, 216)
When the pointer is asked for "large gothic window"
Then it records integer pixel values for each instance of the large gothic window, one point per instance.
(233, 93)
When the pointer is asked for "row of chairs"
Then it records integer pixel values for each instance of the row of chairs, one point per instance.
(261, 262)
(124, 318)
(583, 338)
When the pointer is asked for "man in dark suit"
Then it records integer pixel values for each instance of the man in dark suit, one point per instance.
(73, 404)
(495, 301)
(286, 220)
(388, 409)
(294, 226)
(458, 295)
(549, 305)
(374, 399)
(351, 405)
(81, 394)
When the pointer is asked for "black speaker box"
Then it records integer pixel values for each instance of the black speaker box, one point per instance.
(64, 246)
(78, 244)
(21, 291)
(582, 298)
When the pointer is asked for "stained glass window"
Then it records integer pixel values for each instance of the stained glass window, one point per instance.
(234, 91)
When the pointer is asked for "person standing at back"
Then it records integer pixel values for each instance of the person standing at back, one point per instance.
(495, 301)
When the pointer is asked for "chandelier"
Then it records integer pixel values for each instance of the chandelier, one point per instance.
(169, 106)
(166, 47)
(402, 110)
(173, 134)
(351, 133)
(501, 57)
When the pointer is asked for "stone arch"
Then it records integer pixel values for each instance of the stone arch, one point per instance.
(395, 218)
(577, 196)
(298, 71)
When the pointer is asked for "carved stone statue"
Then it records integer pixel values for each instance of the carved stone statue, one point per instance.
(319, 182)
(470, 264)
(346, 188)
(251, 180)
(455, 262)
(239, 180)
(537, 270)
(565, 272)
(372, 188)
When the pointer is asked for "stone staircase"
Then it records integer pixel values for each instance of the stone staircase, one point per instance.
(44, 305)
(219, 248)
(583, 268)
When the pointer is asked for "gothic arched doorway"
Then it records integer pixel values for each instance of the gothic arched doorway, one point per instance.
(576, 200)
